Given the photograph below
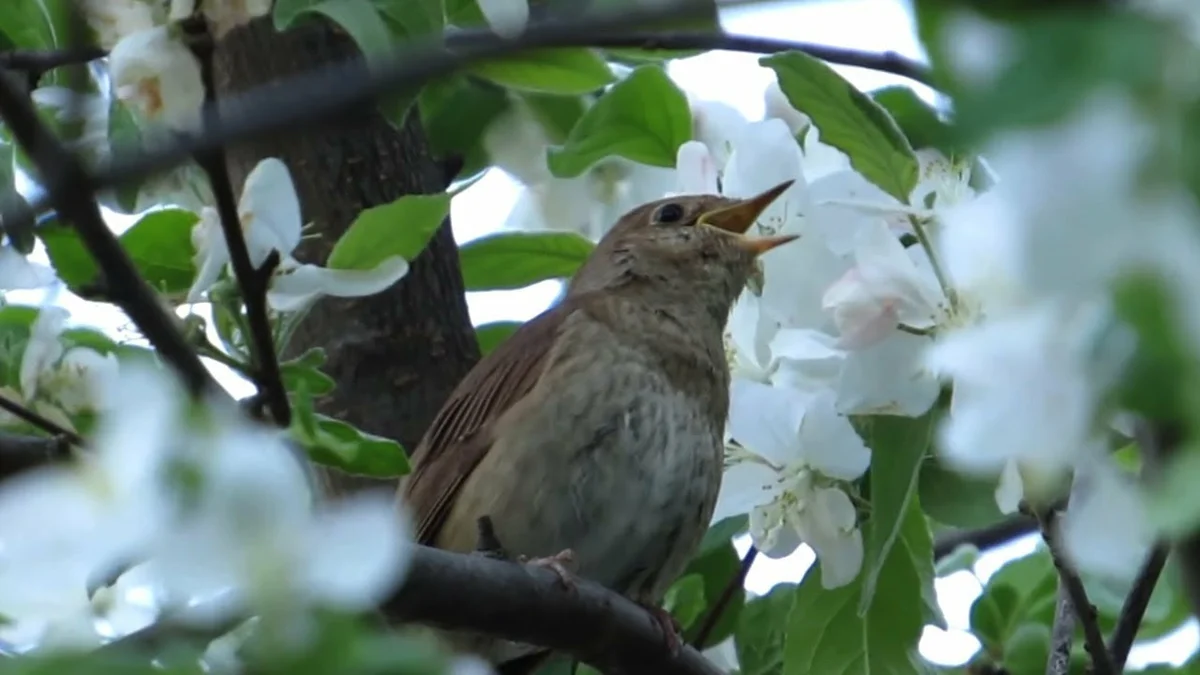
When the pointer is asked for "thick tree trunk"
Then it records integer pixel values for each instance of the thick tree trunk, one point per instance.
(395, 355)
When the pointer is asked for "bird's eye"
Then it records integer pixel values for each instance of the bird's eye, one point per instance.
(669, 213)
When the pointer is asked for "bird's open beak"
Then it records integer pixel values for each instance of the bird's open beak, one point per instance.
(737, 218)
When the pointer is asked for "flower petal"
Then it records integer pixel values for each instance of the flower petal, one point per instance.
(1010, 490)
(158, 76)
(507, 18)
(829, 528)
(301, 285)
(745, 485)
(270, 211)
(44, 349)
(766, 420)
(828, 441)
(357, 550)
(764, 156)
(696, 170)
(20, 273)
(771, 533)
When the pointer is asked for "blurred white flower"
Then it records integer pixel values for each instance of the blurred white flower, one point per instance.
(250, 532)
(88, 110)
(269, 211)
(18, 272)
(507, 18)
(723, 655)
(113, 20)
(792, 446)
(717, 125)
(61, 524)
(158, 76)
(1106, 530)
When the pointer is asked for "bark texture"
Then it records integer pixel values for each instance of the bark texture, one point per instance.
(395, 355)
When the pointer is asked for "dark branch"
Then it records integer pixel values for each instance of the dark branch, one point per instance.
(722, 603)
(289, 105)
(1062, 633)
(887, 62)
(1134, 608)
(34, 63)
(984, 538)
(253, 282)
(1085, 612)
(21, 412)
(510, 601)
(70, 190)
(21, 453)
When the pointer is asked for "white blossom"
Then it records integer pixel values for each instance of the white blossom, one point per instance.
(792, 447)
(113, 20)
(18, 272)
(269, 211)
(155, 74)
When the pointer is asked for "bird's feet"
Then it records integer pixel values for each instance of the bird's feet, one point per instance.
(486, 542)
(559, 563)
(669, 625)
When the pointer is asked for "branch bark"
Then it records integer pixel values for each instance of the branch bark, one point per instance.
(395, 356)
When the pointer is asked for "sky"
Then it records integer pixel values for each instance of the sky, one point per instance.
(736, 79)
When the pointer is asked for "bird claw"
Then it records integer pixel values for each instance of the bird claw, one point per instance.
(557, 563)
(486, 542)
(669, 625)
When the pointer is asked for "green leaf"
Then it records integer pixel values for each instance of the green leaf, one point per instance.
(517, 259)
(402, 228)
(993, 615)
(557, 114)
(1027, 649)
(341, 445)
(574, 70)
(160, 245)
(643, 118)
(36, 25)
(490, 335)
(917, 119)
(338, 444)
(898, 448)
(717, 567)
(953, 499)
(411, 19)
(305, 371)
(1022, 591)
(848, 120)
(123, 133)
(632, 56)
(359, 18)
(760, 635)
(962, 559)
(826, 636)
(685, 599)
(720, 534)
(455, 113)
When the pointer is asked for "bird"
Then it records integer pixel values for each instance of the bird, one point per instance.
(593, 437)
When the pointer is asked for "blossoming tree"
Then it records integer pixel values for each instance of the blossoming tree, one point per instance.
(985, 329)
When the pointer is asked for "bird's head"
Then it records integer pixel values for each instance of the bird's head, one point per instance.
(687, 246)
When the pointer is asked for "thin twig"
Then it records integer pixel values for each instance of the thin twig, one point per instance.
(253, 282)
(1062, 633)
(886, 62)
(722, 603)
(984, 538)
(1085, 612)
(70, 190)
(49, 426)
(290, 104)
(34, 63)
(1134, 608)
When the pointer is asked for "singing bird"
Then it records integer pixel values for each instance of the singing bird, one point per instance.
(595, 433)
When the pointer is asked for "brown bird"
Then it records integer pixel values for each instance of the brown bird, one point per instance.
(594, 434)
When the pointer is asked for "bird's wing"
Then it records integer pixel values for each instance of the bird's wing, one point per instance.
(460, 435)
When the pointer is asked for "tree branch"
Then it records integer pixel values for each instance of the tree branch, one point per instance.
(1062, 633)
(1085, 612)
(984, 538)
(20, 453)
(1134, 608)
(291, 104)
(886, 62)
(21, 412)
(510, 601)
(34, 63)
(253, 282)
(70, 190)
(722, 603)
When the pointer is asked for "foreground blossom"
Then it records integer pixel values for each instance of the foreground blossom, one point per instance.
(269, 211)
(791, 449)
(18, 272)
(112, 20)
